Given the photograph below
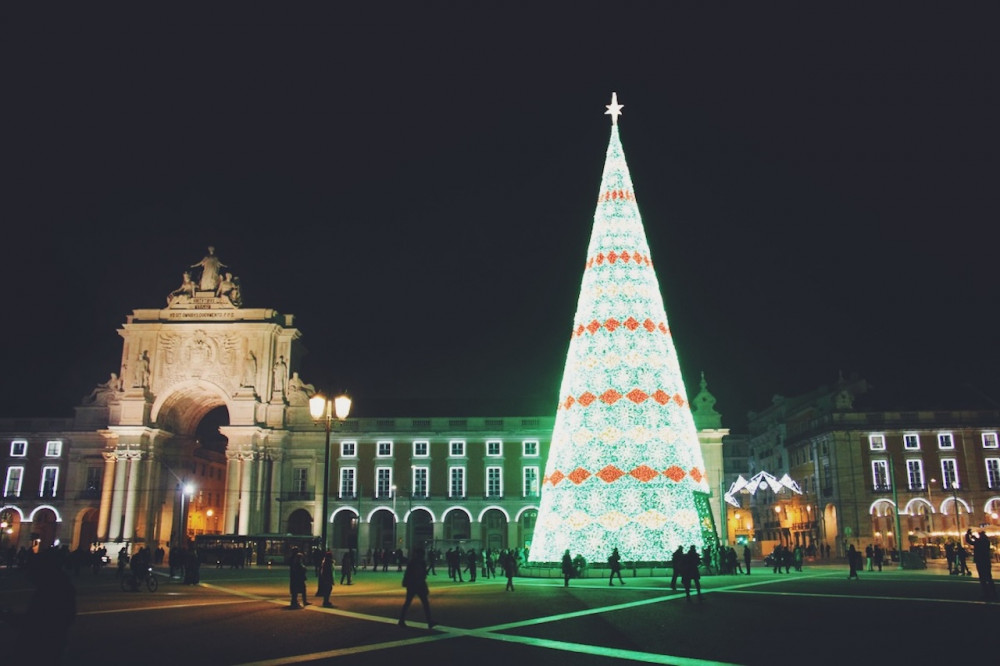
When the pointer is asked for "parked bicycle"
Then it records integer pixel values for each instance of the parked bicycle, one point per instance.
(131, 583)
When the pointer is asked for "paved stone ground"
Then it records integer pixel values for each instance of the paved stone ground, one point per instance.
(817, 616)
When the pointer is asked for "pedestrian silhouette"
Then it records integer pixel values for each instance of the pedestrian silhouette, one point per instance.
(415, 582)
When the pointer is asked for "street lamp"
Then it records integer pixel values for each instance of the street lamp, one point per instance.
(187, 490)
(930, 516)
(327, 410)
(395, 522)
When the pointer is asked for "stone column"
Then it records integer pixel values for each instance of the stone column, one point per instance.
(232, 490)
(131, 492)
(476, 532)
(117, 497)
(107, 486)
(246, 486)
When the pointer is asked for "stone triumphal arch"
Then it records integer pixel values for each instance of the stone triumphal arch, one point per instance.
(201, 354)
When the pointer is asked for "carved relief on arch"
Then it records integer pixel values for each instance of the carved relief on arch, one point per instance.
(217, 358)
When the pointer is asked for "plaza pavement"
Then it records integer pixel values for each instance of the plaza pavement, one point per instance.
(816, 616)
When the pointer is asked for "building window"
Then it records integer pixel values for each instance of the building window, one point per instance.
(384, 450)
(949, 472)
(348, 449)
(420, 486)
(94, 477)
(493, 448)
(12, 486)
(876, 442)
(993, 472)
(19, 448)
(915, 474)
(880, 475)
(50, 478)
(348, 479)
(383, 482)
(456, 448)
(53, 449)
(911, 442)
(456, 482)
(421, 449)
(990, 440)
(530, 482)
(300, 480)
(494, 482)
(531, 447)
(946, 441)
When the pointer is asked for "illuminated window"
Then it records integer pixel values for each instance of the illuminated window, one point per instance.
(19, 448)
(420, 485)
(456, 482)
(348, 449)
(384, 449)
(949, 472)
(531, 447)
(946, 441)
(383, 482)
(494, 482)
(300, 480)
(990, 440)
(493, 448)
(421, 449)
(456, 448)
(915, 474)
(911, 442)
(993, 472)
(53, 449)
(880, 475)
(50, 479)
(12, 486)
(348, 479)
(876, 442)
(530, 488)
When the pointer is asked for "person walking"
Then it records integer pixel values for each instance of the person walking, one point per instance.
(347, 567)
(982, 557)
(326, 579)
(853, 561)
(676, 564)
(472, 562)
(567, 568)
(297, 579)
(746, 558)
(507, 563)
(615, 565)
(690, 572)
(961, 557)
(415, 582)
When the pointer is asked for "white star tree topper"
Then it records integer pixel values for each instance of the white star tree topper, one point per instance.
(614, 109)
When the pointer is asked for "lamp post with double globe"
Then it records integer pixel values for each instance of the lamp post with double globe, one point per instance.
(322, 409)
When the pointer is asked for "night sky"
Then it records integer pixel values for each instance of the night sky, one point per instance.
(418, 186)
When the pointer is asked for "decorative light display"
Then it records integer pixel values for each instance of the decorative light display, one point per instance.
(624, 468)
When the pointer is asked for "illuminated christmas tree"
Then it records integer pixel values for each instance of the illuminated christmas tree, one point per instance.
(625, 468)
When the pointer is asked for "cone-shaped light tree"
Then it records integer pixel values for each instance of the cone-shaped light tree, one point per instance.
(625, 468)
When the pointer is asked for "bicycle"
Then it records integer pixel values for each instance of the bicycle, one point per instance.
(131, 584)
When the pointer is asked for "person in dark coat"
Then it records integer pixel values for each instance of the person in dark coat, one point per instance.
(854, 562)
(746, 558)
(415, 582)
(567, 568)
(42, 631)
(689, 572)
(325, 584)
(677, 564)
(297, 579)
(615, 564)
(982, 557)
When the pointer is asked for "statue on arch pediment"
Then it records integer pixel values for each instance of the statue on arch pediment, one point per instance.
(105, 393)
(298, 391)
